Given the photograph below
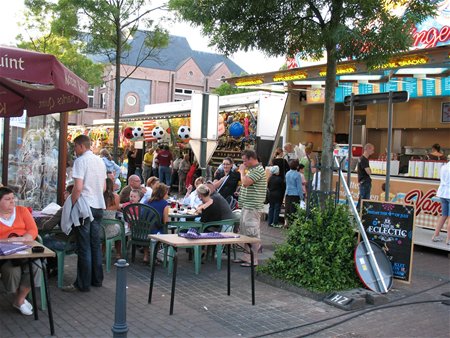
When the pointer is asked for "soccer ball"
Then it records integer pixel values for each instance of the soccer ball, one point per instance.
(158, 133)
(138, 132)
(184, 132)
(128, 132)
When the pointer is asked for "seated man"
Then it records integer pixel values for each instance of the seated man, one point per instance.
(56, 241)
(134, 182)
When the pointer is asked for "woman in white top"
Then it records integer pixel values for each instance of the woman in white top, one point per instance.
(191, 199)
(444, 194)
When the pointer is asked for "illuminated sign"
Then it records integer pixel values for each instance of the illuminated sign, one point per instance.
(298, 75)
(412, 60)
(428, 38)
(343, 69)
(250, 81)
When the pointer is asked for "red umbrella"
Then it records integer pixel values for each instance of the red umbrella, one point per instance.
(38, 83)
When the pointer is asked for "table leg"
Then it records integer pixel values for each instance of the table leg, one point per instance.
(33, 290)
(152, 276)
(228, 270)
(174, 278)
(47, 296)
(252, 267)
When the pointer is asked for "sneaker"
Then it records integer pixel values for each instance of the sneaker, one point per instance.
(27, 303)
(436, 239)
(73, 288)
(24, 309)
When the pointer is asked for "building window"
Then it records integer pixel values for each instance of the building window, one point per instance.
(190, 73)
(183, 91)
(131, 100)
(103, 100)
(91, 97)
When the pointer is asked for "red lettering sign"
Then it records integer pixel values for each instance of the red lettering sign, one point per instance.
(424, 202)
(431, 37)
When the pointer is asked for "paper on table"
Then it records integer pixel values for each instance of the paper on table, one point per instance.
(51, 209)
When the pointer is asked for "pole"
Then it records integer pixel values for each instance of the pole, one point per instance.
(204, 134)
(389, 145)
(350, 138)
(120, 327)
(370, 253)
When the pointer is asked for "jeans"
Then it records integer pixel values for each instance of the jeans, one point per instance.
(274, 213)
(89, 265)
(165, 175)
(364, 192)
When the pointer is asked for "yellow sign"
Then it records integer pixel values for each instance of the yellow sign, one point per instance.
(297, 75)
(413, 60)
(344, 69)
(249, 81)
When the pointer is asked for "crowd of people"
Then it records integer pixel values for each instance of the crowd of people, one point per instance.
(95, 194)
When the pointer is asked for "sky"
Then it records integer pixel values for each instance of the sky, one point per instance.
(252, 62)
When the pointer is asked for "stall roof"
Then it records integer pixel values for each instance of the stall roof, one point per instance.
(183, 108)
(425, 63)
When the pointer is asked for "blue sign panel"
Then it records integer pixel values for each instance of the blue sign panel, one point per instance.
(445, 86)
(410, 85)
(429, 87)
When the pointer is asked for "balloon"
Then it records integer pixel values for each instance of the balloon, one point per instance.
(128, 132)
(184, 132)
(236, 129)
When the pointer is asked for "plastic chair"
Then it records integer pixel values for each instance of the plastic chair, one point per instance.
(69, 249)
(184, 227)
(143, 220)
(226, 225)
(110, 241)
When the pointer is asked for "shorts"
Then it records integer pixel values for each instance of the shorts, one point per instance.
(250, 223)
(445, 203)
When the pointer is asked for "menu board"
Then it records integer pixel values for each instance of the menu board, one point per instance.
(410, 85)
(445, 85)
(391, 226)
(365, 88)
(429, 87)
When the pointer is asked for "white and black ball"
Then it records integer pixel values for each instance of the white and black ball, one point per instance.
(138, 132)
(184, 132)
(158, 132)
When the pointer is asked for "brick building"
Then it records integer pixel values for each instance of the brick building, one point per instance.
(172, 75)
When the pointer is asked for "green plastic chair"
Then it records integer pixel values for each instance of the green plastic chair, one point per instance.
(109, 242)
(142, 220)
(226, 225)
(197, 257)
(69, 249)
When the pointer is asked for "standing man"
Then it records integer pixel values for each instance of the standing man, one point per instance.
(131, 156)
(164, 158)
(364, 172)
(89, 175)
(251, 200)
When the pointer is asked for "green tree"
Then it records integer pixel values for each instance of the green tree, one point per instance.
(107, 28)
(227, 89)
(42, 35)
(363, 29)
(111, 25)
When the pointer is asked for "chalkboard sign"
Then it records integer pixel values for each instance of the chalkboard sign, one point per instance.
(391, 226)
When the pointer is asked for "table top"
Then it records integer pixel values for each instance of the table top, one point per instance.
(28, 254)
(189, 215)
(175, 240)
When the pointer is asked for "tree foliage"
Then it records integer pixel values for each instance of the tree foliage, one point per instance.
(227, 89)
(340, 29)
(41, 34)
(107, 28)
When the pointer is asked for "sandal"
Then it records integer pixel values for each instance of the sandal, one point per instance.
(248, 265)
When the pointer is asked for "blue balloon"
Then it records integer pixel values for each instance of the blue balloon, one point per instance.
(236, 129)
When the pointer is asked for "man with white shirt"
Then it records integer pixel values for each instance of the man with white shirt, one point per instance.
(89, 175)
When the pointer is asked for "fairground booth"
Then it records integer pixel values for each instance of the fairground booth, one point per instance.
(424, 72)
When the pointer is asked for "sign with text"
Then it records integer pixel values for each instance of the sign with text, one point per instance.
(391, 226)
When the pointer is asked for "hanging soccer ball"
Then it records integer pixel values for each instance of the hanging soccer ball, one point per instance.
(128, 132)
(158, 132)
(138, 132)
(184, 132)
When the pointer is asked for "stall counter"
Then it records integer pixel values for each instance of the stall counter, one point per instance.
(420, 192)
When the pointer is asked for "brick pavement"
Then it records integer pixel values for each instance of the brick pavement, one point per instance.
(202, 308)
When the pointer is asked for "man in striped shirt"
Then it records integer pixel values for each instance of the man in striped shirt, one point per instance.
(251, 199)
